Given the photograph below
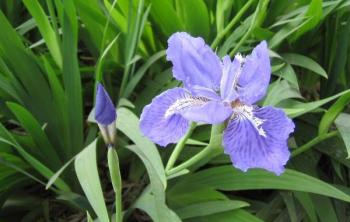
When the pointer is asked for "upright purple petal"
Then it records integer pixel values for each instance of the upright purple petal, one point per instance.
(105, 112)
(255, 76)
(261, 143)
(194, 62)
(229, 80)
(158, 125)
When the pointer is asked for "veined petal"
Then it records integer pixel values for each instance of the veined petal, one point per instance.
(255, 76)
(167, 118)
(259, 139)
(161, 125)
(199, 108)
(194, 62)
(206, 92)
(105, 112)
(212, 112)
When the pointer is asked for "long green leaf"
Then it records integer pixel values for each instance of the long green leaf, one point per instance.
(208, 208)
(197, 21)
(324, 209)
(332, 113)
(228, 178)
(235, 215)
(58, 173)
(87, 173)
(141, 72)
(343, 124)
(150, 204)
(299, 109)
(279, 91)
(170, 22)
(128, 123)
(45, 29)
(314, 12)
(306, 201)
(59, 97)
(305, 62)
(7, 138)
(71, 76)
(31, 125)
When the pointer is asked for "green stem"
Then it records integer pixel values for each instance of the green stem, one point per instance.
(205, 152)
(313, 142)
(179, 147)
(233, 22)
(114, 170)
(210, 150)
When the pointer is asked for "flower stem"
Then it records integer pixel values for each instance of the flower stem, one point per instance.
(209, 151)
(232, 23)
(179, 147)
(114, 170)
(313, 142)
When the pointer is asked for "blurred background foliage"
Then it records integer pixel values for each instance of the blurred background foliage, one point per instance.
(53, 52)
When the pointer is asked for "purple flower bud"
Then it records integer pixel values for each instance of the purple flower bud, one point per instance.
(105, 115)
(105, 112)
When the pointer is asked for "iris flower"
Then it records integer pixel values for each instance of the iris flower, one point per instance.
(217, 91)
(105, 115)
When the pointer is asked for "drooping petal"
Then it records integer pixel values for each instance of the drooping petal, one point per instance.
(158, 124)
(194, 62)
(259, 140)
(200, 108)
(229, 80)
(105, 112)
(255, 76)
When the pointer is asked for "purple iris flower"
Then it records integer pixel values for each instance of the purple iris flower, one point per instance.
(105, 114)
(217, 90)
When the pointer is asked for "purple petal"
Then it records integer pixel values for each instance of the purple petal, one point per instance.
(200, 108)
(248, 147)
(194, 62)
(105, 112)
(158, 127)
(255, 76)
(231, 71)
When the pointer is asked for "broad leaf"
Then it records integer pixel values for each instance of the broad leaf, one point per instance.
(153, 199)
(87, 173)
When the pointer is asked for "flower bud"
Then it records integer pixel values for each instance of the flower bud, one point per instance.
(105, 115)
